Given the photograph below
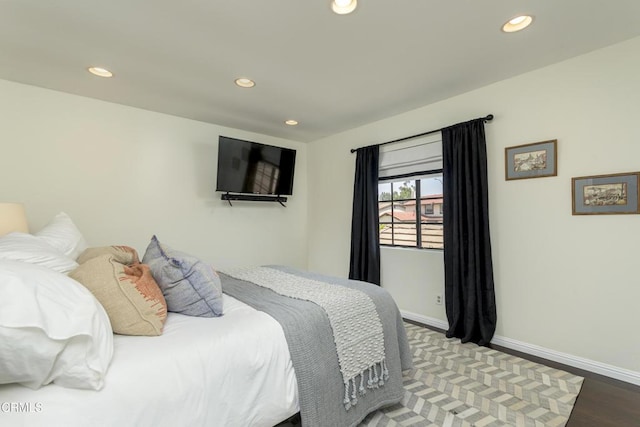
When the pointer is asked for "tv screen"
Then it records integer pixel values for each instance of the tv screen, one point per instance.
(249, 167)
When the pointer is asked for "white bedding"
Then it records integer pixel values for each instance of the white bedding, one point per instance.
(233, 370)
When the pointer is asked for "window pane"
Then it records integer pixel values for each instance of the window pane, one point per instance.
(384, 203)
(431, 212)
(384, 191)
(404, 189)
(431, 198)
(404, 234)
(432, 237)
(431, 185)
(386, 237)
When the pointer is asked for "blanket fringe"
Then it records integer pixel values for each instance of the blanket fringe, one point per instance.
(351, 389)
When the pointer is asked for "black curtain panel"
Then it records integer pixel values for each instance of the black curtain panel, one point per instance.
(469, 291)
(365, 240)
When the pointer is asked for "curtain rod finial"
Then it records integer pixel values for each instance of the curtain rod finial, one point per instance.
(488, 118)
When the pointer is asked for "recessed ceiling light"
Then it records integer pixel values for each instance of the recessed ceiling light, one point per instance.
(518, 23)
(342, 7)
(99, 71)
(291, 122)
(244, 82)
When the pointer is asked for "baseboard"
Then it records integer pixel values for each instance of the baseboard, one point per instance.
(569, 359)
(545, 353)
(429, 321)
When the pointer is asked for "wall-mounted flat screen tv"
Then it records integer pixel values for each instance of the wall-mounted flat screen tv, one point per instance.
(253, 168)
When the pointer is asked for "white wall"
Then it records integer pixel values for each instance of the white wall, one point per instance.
(565, 283)
(124, 174)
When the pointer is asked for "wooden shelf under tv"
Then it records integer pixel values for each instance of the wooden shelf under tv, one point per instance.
(253, 198)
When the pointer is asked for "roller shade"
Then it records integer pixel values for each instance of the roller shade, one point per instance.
(411, 157)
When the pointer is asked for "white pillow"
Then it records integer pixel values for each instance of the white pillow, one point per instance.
(62, 234)
(52, 329)
(27, 248)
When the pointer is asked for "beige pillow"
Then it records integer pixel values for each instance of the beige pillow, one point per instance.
(122, 254)
(129, 294)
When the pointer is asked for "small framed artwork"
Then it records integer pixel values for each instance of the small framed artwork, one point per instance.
(531, 160)
(606, 194)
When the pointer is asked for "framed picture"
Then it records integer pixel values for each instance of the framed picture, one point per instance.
(531, 160)
(606, 194)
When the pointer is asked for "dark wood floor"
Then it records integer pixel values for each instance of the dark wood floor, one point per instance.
(602, 402)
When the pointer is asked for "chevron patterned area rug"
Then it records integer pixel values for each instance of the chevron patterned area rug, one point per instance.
(454, 384)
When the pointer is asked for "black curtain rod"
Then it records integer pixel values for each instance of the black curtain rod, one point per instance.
(488, 118)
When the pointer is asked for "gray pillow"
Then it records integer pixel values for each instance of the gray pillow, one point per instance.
(189, 286)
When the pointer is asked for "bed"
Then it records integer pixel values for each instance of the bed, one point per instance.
(275, 349)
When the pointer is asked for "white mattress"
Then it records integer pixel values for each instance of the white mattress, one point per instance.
(234, 370)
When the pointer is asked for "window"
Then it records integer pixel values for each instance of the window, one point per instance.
(265, 179)
(410, 212)
(429, 209)
(410, 193)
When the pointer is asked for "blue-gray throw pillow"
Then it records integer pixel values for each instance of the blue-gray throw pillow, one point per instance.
(189, 285)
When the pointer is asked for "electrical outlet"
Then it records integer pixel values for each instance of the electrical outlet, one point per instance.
(439, 299)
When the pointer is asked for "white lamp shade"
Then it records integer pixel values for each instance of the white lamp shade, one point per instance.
(13, 218)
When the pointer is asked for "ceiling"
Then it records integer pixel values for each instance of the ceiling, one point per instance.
(330, 72)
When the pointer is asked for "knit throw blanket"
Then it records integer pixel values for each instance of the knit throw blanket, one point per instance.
(357, 330)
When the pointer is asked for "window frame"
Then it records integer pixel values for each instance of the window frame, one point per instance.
(416, 177)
